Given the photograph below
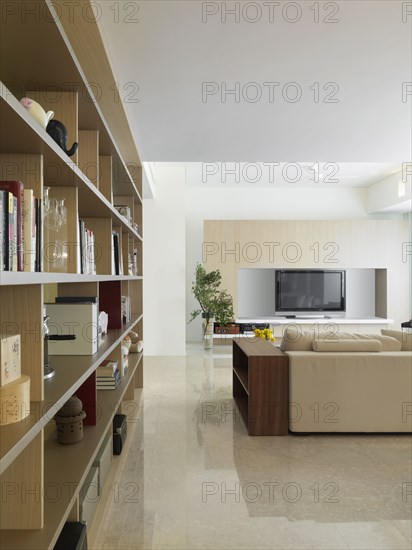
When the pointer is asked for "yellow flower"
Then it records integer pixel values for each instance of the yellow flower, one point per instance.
(266, 334)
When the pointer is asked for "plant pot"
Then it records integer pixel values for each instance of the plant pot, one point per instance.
(208, 329)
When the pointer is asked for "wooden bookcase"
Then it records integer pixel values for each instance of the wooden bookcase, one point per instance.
(261, 387)
(52, 55)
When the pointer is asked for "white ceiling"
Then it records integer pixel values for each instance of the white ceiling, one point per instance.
(163, 53)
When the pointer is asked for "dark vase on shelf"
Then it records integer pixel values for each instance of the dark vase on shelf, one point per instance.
(58, 131)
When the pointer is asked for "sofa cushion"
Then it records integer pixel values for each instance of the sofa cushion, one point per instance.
(347, 345)
(388, 342)
(296, 339)
(405, 338)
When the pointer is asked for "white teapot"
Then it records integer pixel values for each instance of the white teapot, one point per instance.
(37, 111)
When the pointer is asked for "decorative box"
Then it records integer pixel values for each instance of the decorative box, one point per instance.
(80, 320)
(10, 359)
(231, 328)
(15, 401)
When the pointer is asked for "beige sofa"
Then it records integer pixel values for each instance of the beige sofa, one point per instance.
(349, 390)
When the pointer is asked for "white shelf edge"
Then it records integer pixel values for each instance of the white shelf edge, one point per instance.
(15, 278)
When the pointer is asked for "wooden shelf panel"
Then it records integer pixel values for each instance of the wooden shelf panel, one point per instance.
(242, 406)
(71, 372)
(12, 278)
(28, 137)
(243, 377)
(66, 468)
(264, 406)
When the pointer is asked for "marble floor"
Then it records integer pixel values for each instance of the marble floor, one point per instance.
(193, 479)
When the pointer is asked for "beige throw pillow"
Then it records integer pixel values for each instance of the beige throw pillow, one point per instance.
(348, 345)
(388, 343)
(405, 338)
(296, 339)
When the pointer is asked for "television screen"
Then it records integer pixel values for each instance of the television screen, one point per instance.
(310, 290)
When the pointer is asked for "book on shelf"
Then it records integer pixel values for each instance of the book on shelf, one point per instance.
(7, 230)
(81, 246)
(87, 250)
(16, 188)
(107, 368)
(92, 263)
(3, 229)
(29, 231)
(115, 253)
(108, 382)
(108, 376)
(39, 234)
(20, 228)
(14, 239)
(105, 388)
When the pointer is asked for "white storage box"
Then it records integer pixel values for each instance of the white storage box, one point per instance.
(103, 461)
(89, 496)
(78, 319)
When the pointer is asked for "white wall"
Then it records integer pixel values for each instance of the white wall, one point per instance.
(165, 264)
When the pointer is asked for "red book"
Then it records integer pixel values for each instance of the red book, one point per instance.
(17, 190)
(110, 297)
(87, 393)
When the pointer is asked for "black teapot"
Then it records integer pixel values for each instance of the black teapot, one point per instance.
(58, 131)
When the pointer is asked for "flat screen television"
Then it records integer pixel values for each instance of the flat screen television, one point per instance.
(310, 290)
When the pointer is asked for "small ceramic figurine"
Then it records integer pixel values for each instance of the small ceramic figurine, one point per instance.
(58, 131)
(137, 345)
(69, 420)
(37, 111)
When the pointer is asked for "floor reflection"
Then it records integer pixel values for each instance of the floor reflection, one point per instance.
(207, 484)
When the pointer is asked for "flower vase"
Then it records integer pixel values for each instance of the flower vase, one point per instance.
(208, 329)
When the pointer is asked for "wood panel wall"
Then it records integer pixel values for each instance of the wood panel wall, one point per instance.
(320, 244)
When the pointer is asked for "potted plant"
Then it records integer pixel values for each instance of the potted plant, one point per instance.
(215, 304)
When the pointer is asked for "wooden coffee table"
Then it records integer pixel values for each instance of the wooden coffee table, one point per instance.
(261, 386)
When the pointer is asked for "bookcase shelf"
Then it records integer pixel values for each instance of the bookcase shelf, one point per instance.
(70, 374)
(60, 489)
(39, 57)
(28, 137)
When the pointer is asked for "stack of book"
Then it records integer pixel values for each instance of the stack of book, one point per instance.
(20, 228)
(107, 375)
